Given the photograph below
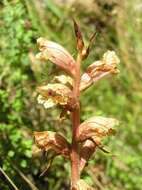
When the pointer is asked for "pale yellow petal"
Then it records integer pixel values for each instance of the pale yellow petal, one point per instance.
(49, 103)
(40, 99)
(110, 58)
(63, 79)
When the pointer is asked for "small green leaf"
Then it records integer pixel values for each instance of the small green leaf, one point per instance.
(28, 153)
(11, 153)
(23, 163)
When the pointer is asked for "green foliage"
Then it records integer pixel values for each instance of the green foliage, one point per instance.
(15, 146)
(21, 23)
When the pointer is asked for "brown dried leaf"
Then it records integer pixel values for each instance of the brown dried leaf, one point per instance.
(96, 128)
(86, 51)
(87, 149)
(51, 140)
(99, 69)
(48, 164)
(57, 54)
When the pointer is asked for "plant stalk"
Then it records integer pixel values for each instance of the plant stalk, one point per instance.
(75, 176)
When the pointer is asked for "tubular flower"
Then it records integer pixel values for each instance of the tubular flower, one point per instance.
(56, 54)
(99, 69)
(96, 128)
(51, 140)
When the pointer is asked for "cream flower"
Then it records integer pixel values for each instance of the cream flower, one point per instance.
(47, 103)
(110, 58)
(53, 94)
(63, 79)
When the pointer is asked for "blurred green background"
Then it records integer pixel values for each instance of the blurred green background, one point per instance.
(119, 28)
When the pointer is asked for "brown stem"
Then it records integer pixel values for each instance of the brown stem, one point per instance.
(75, 123)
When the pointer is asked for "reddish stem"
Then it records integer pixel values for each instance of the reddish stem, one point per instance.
(75, 124)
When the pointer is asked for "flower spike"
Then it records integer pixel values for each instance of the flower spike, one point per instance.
(64, 91)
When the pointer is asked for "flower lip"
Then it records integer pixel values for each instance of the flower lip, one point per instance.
(53, 94)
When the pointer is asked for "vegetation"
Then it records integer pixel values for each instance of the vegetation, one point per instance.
(118, 26)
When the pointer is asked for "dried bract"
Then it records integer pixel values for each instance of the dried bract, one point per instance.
(96, 128)
(57, 54)
(83, 51)
(86, 50)
(80, 43)
(86, 151)
(51, 140)
(99, 69)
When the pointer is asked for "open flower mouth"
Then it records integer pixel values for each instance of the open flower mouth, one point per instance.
(53, 94)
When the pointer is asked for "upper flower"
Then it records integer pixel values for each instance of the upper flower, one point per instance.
(99, 69)
(57, 54)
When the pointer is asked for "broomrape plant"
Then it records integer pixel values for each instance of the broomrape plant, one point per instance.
(65, 91)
